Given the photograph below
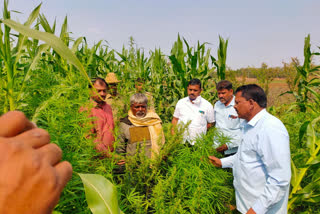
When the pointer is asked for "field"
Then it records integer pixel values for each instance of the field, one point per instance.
(47, 78)
(277, 87)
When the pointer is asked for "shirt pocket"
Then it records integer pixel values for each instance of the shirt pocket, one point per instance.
(198, 119)
(202, 117)
(248, 155)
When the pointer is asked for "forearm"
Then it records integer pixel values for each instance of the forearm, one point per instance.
(209, 125)
(228, 161)
(174, 123)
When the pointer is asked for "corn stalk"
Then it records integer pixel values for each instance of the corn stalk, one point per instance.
(221, 64)
(307, 80)
(11, 56)
(56, 43)
(310, 192)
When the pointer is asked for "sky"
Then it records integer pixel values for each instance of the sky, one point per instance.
(259, 31)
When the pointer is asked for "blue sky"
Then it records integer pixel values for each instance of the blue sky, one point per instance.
(259, 31)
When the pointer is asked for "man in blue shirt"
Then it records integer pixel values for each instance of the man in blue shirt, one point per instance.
(226, 118)
(261, 167)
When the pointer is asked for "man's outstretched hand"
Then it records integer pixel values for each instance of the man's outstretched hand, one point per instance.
(31, 174)
(215, 161)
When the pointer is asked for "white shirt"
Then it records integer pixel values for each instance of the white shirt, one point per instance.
(261, 167)
(228, 122)
(200, 112)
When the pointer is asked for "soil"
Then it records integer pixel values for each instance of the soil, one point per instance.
(276, 87)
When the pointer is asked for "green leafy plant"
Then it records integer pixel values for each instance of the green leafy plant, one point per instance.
(101, 194)
(15, 61)
(307, 80)
(222, 58)
(309, 192)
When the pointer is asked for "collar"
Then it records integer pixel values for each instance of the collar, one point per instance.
(197, 101)
(96, 105)
(232, 102)
(257, 117)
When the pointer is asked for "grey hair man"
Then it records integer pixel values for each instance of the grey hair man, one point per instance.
(141, 128)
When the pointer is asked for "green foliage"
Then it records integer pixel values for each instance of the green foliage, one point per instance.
(101, 194)
(179, 180)
(49, 83)
(309, 192)
(265, 76)
(307, 80)
(15, 60)
(222, 58)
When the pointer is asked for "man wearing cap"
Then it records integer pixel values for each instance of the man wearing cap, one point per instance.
(226, 118)
(114, 99)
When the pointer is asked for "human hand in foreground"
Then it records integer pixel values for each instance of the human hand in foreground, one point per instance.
(222, 148)
(31, 174)
(251, 211)
(215, 161)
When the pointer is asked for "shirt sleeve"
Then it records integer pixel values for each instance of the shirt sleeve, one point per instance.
(228, 161)
(237, 137)
(235, 141)
(210, 114)
(275, 155)
(214, 113)
(122, 143)
(233, 144)
(176, 113)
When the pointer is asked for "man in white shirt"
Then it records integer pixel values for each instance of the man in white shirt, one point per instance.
(226, 118)
(194, 110)
(261, 167)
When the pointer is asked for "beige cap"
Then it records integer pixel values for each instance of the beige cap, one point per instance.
(112, 78)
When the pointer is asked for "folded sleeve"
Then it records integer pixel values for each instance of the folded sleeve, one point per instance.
(228, 161)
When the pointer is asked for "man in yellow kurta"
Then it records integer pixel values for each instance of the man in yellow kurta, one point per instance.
(140, 129)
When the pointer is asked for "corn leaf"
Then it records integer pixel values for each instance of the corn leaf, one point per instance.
(52, 40)
(101, 194)
(303, 129)
(76, 44)
(294, 174)
(311, 139)
(42, 48)
(45, 24)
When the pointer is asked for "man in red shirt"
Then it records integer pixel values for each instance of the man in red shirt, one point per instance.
(103, 123)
